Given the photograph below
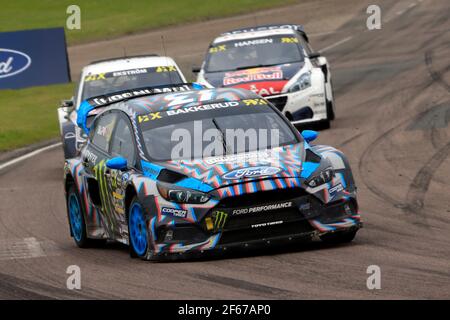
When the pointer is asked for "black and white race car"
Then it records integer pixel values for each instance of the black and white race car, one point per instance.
(112, 75)
(276, 62)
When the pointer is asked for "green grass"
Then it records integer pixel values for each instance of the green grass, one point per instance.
(110, 18)
(29, 115)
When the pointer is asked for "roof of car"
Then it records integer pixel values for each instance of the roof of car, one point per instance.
(144, 101)
(259, 31)
(126, 63)
(125, 57)
(160, 102)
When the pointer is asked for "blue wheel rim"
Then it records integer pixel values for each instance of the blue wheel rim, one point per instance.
(138, 229)
(76, 221)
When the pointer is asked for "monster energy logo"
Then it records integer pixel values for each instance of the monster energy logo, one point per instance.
(99, 171)
(220, 218)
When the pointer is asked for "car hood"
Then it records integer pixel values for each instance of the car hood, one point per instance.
(217, 172)
(265, 81)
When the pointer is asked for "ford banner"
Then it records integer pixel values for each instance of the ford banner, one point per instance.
(33, 58)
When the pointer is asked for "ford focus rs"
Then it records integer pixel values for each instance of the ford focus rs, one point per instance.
(173, 170)
(277, 62)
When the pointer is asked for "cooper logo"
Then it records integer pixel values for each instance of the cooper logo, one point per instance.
(251, 172)
(13, 62)
(181, 213)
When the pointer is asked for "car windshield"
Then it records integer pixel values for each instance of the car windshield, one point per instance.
(257, 52)
(217, 136)
(105, 83)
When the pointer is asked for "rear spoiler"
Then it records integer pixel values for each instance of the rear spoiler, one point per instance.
(104, 100)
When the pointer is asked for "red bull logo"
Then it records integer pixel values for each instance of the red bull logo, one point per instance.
(250, 75)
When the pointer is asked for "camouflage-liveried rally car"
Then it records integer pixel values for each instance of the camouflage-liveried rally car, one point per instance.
(130, 186)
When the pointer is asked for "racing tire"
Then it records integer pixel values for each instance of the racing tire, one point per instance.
(339, 237)
(137, 232)
(323, 124)
(69, 145)
(69, 151)
(77, 221)
(330, 111)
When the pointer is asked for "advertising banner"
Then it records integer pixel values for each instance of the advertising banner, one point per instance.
(33, 58)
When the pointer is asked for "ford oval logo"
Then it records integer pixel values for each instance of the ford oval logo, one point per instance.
(251, 172)
(13, 62)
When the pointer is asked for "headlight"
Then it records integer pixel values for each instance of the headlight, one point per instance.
(303, 82)
(180, 195)
(324, 176)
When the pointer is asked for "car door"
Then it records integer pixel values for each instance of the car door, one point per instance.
(94, 157)
(122, 145)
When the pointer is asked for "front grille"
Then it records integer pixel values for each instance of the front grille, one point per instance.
(253, 199)
(249, 220)
(278, 102)
(236, 219)
(262, 233)
(187, 234)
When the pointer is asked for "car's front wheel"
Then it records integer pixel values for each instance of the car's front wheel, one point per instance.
(137, 231)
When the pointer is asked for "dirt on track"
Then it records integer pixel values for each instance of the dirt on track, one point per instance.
(393, 107)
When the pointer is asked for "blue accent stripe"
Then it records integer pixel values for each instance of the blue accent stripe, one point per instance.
(152, 226)
(194, 216)
(150, 170)
(82, 114)
(274, 185)
(241, 189)
(308, 168)
(194, 184)
(341, 175)
(141, 184)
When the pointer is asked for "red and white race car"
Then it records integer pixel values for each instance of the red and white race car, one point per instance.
(276, 62)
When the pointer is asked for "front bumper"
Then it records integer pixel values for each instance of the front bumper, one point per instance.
(259, 229)
(303, 106)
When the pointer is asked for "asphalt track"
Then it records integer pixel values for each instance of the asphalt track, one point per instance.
(393, 106)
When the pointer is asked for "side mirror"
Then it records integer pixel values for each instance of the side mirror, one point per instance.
(118, 163)
(310, 135)
(196, 69)
(314, 55)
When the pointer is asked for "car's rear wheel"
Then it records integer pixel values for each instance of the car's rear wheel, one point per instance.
(137, 231)
(69, 141)
(330, 110)
(339, 237)
(77, 221)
